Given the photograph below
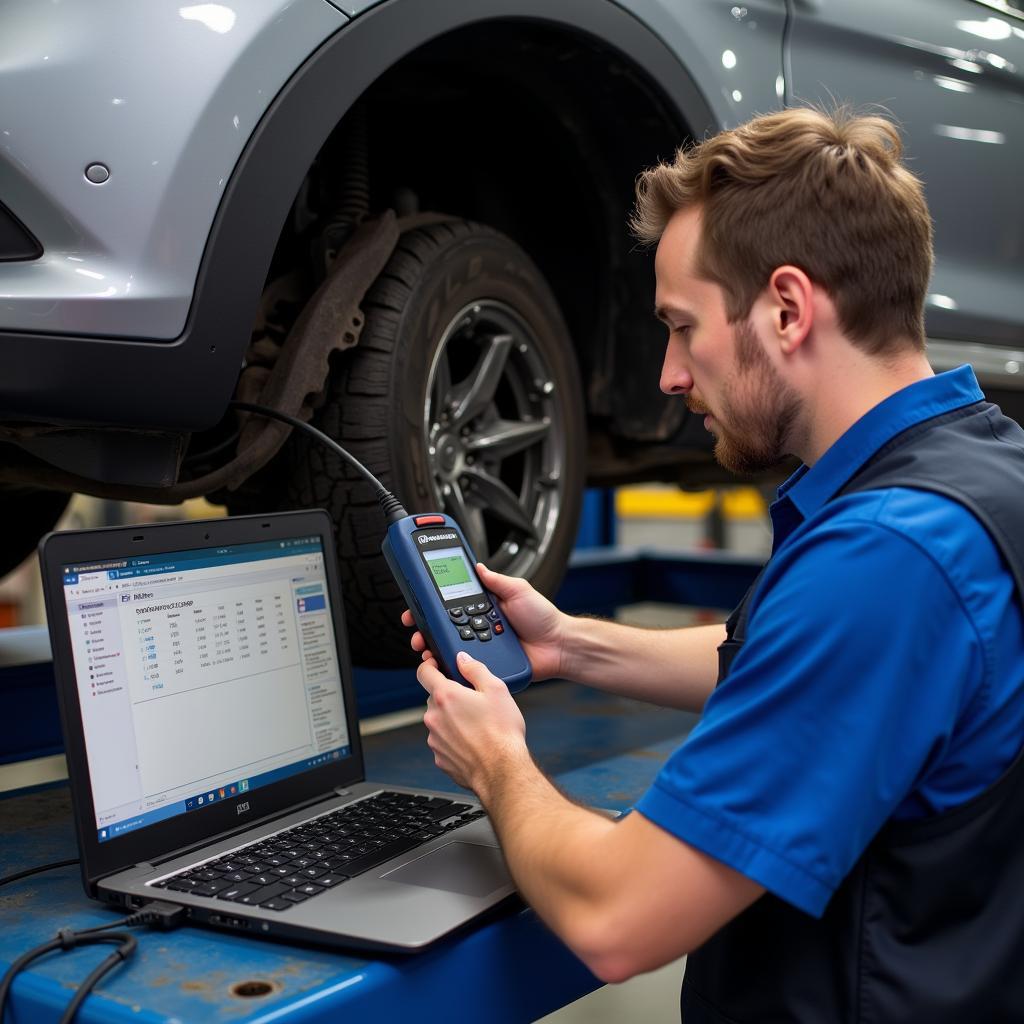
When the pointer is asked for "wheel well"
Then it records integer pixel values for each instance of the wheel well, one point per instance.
(538, 131)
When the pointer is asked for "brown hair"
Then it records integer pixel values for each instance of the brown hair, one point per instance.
(823, 192)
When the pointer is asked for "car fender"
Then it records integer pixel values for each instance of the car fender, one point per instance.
(135, 382)
(163, 98)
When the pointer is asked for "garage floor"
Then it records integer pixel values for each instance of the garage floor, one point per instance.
(649, 999)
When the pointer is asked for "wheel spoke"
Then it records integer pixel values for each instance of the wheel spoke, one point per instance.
(507, 437)
(499, 500)
(470, 518)
(441, 392)
(483, 381)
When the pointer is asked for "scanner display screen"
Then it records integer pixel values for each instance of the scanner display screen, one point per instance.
(451, 572)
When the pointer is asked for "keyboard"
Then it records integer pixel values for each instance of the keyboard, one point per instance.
(289, 867)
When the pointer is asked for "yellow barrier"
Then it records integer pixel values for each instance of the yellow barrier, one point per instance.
(673, 503)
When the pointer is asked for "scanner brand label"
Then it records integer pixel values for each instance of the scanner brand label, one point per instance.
(430, 538)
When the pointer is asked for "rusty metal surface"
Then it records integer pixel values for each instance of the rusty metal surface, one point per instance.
(602, 750)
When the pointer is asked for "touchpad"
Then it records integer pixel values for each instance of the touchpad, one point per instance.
(458, 867)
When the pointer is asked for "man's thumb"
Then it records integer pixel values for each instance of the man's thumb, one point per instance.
(476, 672)
(501, 586)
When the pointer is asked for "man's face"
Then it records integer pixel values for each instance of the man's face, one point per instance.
(721, 369)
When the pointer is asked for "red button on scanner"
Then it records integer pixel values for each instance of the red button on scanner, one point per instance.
(429, 520)
(498, 628)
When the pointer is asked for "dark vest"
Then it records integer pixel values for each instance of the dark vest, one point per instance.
(928, 927)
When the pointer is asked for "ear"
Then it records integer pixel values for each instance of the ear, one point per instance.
(790, 296)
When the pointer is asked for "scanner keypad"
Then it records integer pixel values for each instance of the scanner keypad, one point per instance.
(476, 620)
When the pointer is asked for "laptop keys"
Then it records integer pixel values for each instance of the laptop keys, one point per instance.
(262, 894)
(210, 888)
(360, 863)
(234, 892)
(207, 875)
(304, 861)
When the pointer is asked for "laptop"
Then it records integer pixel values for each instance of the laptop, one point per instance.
(213, 745)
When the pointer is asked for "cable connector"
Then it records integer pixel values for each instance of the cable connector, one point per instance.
(160, 915)
(392, 508)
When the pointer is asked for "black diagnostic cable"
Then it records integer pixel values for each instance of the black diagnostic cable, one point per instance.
(126, 946)
(35, 871)
(390, 505)
(157, 914)
(215, 450)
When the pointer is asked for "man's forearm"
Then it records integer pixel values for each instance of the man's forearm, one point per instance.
(549, 843)
(625, 896)
(670, 667)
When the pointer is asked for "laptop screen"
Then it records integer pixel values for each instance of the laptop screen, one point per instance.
(202, 674)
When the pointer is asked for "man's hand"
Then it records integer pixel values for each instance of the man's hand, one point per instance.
(625, 896)
(540, 626)
(474, 733)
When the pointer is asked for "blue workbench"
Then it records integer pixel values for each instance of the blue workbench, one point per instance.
(601, 750)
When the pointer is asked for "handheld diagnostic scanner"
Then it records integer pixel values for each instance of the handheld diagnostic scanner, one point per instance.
(434, 568)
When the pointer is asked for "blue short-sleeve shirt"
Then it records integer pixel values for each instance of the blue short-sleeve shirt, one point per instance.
(882, 675)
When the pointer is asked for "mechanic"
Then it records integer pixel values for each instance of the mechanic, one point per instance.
(839, 837)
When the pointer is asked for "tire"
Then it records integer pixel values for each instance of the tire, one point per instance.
(457, 304)
(28, 514)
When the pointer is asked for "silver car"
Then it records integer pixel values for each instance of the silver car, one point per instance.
(407, 220)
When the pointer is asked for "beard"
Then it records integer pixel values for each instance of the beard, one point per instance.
(758, 410)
